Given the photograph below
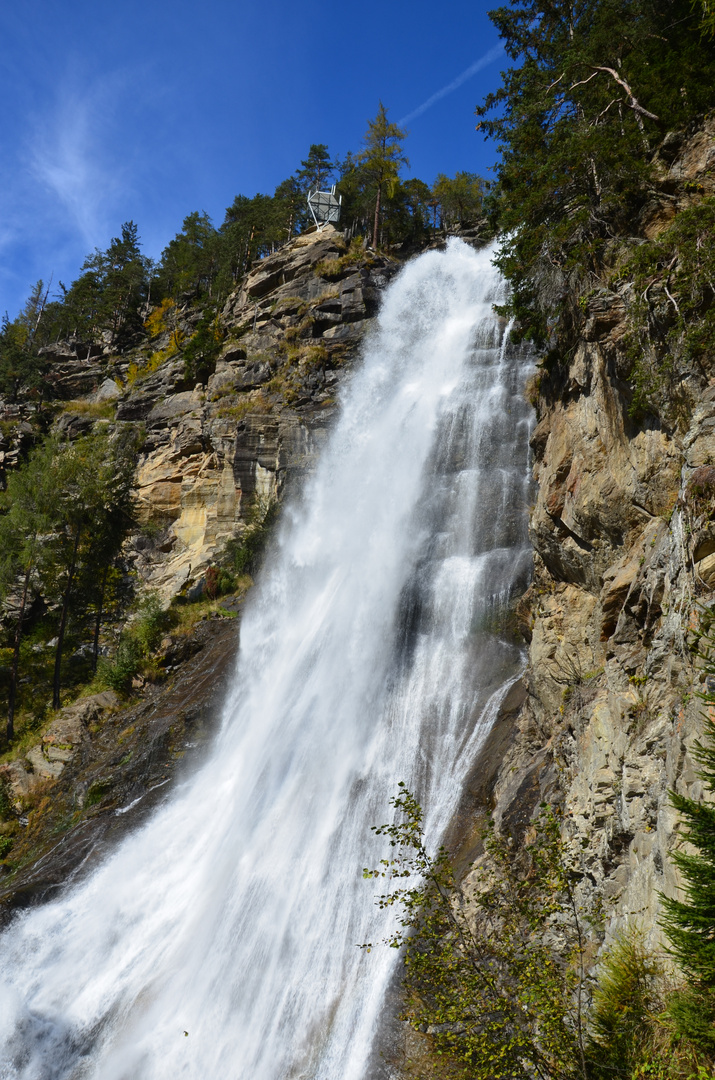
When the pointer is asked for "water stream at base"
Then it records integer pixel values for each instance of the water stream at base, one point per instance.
(220, 938)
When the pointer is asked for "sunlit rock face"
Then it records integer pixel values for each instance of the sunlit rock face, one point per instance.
(212, 450)
(623, 556)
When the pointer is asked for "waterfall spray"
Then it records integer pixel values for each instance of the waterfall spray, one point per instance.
(219, 940)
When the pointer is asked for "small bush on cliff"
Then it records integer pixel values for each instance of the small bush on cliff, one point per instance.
(203, 347)
(493, 971)
(139, 640)
(626, 1002)
(245, 555)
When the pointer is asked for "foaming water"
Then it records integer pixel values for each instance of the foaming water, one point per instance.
(372, 651)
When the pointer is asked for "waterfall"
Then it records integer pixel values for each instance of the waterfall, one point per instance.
(219, 940)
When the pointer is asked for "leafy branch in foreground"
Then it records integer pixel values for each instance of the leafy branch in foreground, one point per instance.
(493, 968)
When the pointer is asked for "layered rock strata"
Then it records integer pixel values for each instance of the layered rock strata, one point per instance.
(624, 554)
(212, 451)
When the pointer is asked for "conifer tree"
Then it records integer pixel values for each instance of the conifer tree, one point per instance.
(189, 262)
(26, 525)
(593, 87)
(689, 923)
(108, 293)
(93, 486)
(382, 158)
(68, 511)
(316, 169)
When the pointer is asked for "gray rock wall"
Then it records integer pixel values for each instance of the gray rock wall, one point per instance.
(624, 555)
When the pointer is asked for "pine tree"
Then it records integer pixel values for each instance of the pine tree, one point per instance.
(189, 263)
(689, 923)
(316, 169)
(593, 87)
(93, 490)
(382, 158)
(29, 520)
(107, 295)
(67, 514)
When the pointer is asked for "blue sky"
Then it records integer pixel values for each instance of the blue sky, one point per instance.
(149, 110)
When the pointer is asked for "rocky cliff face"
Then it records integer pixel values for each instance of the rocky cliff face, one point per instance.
(214, 449)
(623, 549)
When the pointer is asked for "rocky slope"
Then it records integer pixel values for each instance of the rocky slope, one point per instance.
(216, 448)
(623, 543)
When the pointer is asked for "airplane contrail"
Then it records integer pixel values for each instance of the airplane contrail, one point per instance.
(471, 70)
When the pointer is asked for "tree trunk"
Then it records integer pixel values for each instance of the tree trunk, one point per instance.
(63, 622)
(12, 693)
(377, 216)
(100, 607)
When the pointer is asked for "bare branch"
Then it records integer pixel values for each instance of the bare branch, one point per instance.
(604, 111)
(672, 300)
(554, 83)
(632, 103)
(583, 81)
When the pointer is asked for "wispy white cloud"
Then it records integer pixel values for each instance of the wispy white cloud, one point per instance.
(69, 173)
(69, 156)
(482, 62)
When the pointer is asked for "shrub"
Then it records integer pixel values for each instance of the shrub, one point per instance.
(219, 581)
(139, 639)
(247, 553)
(498, 999)
(203, 347)
(155, 323)
(625, 1002)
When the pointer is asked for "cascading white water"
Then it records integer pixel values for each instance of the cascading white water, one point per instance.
(370, 653)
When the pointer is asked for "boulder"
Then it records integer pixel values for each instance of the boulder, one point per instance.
(108, 391)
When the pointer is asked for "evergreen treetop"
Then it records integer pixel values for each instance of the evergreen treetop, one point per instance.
(593, 88)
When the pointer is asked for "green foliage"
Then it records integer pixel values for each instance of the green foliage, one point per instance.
(316, 170)
(219, 581)
(689, 921)
(459, 199)
(499, 990)
(707, 22)
(590, 91)
(21, 368)
(96, 792)
(189, 263)
(672, 313)
(140, 638)
(381, 159)
(625, 1002)
(5, 808)
(67, 512)
(201, 350)
(106, 297)
(246, 554)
